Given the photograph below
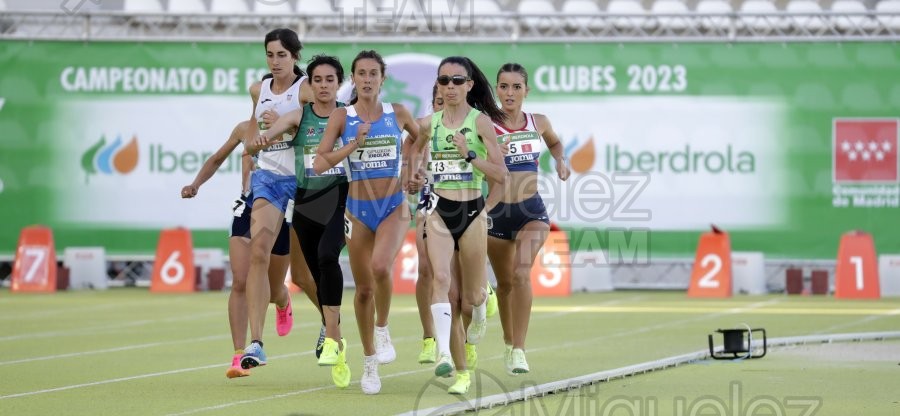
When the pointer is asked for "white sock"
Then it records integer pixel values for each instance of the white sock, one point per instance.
(440, 313)
(381, 328)
(479, 312)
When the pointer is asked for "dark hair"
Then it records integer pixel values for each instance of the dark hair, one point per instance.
(367, 54)
(433, 93)
(318, 60)
(481, 97)
(513, 67)
(289, 40)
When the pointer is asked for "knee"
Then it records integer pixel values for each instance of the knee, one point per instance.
(239, 285)
(364, 293)
(522, 278)
(441, 279)
(504, 287)
(381, 268)
(258, 254)
(329, 258)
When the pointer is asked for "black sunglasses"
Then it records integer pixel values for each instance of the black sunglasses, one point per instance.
(457, 79)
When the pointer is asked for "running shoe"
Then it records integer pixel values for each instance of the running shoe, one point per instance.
(284, 318)
(429, 350)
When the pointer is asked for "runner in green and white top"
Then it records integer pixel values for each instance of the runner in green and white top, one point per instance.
(464, 150)
(319, 209)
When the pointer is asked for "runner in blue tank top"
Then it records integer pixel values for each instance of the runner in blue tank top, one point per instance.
(370, 147)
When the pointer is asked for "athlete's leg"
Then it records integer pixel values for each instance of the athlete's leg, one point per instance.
(239, 258)
(529, 241)
(360, 246)
(388, 240)
(424, 282)
(300, 272)
(265, 224)
(473, 257)
(502, 255)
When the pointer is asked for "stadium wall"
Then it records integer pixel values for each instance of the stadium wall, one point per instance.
(785, 145)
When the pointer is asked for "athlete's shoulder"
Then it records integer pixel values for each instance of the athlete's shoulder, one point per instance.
(541, 121)
(255, 88)
(401, 111)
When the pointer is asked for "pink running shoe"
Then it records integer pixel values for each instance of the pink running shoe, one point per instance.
(235, 370)
(284, 319)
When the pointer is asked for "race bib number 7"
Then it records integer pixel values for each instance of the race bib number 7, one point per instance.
(378, 152)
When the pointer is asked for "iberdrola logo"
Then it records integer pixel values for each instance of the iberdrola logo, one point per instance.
(110, 158)
(581, 156)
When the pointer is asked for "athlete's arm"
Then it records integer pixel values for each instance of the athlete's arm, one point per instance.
(212, 164)
(408, 178)
(284, 123)
(306, 93)
(554, 145)
(246, 170)
(326, 156)
(253, 129)
(494, 167)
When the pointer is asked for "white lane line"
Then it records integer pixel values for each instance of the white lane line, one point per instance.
(83, 331)
(491, 358)
(116, 349)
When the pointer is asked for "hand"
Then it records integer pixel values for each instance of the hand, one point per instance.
(504, 147)
(416, 182)
(189, 191)
(562, 168)
(461, 145)
(361, 134)
(269, 117)
(261, 142)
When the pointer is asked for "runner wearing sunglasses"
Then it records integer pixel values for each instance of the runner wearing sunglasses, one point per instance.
(463, 147)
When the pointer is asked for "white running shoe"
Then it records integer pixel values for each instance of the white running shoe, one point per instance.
(518, 363)
(384, 349)
(370, 382)
(476, 329)
(444, 367)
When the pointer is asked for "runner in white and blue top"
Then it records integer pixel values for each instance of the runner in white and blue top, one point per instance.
(369, 136)
(273, 185)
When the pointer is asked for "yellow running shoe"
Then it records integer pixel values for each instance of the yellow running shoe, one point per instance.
(461, 386)
(330, 352)
(429, 350)
(471, 356)
(340, 372)
(491, 301)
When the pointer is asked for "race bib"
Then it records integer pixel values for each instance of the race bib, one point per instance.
(378, 152)
(309, 156)
(448, 166)
(524, 147)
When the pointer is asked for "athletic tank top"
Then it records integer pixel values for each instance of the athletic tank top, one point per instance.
(524, 145)
(448, 168)
(279, 157)
(380, 155)
(309, 134)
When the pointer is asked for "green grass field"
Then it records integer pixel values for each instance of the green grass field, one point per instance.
(129, 352)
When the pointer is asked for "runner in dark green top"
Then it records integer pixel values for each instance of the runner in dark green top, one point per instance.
(463, 150)
(319, 209)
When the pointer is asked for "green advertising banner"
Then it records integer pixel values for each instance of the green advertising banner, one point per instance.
(786, 146)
